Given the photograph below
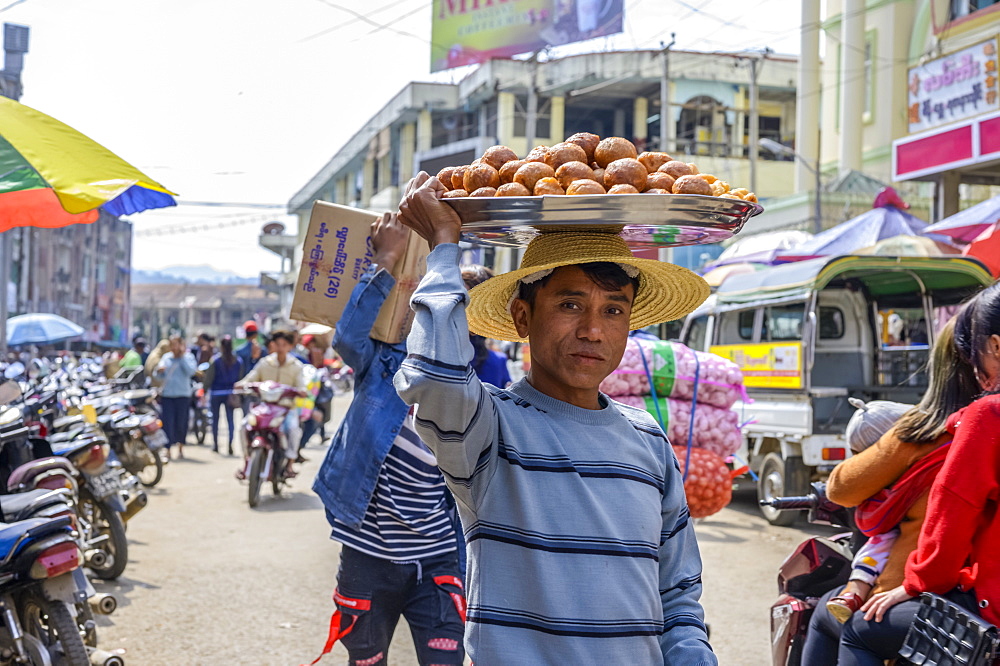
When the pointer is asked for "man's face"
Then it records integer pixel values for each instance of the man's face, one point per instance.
(578, 330)
(282, 346)
(177, 347)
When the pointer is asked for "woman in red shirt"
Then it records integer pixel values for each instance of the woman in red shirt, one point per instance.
(960, 538)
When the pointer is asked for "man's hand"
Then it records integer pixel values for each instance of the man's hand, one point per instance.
(389, 240)
(423, 211)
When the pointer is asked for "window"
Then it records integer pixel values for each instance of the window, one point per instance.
(543, 126)
(831, 323)
(870, 79)
(783, 323)
(746, 324)
(960, 8)
(695, 338)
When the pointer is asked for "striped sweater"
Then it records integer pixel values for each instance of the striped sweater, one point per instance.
(580, 547)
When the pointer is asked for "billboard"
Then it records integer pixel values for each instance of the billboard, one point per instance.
(955, 87)
(467, 32)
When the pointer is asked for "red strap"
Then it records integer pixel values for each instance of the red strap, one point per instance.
(456, 597)
(335, 633)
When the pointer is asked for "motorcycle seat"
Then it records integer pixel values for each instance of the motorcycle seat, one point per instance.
(11, 532)
(64, 422)
(14, 505)
(75, 447)
(32, 469)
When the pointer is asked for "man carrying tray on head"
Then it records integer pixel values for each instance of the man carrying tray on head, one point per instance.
(580, 546)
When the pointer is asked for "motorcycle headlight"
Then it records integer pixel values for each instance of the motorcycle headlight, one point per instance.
(277, 421)
(272, 395)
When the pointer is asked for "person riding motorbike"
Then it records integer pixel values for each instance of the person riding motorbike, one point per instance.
(919, 433)
(283, 368)
(960, 537)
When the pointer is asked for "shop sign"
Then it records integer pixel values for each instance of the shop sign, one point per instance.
(958, 86)
(766, 365)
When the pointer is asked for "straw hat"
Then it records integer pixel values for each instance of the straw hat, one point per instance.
(666, 292)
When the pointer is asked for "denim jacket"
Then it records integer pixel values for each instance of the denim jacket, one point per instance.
(347, 477)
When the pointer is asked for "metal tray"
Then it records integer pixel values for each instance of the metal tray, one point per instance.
(643, 220)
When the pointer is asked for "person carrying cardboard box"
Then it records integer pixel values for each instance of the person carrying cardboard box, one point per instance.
(581, 549)
(385, 498)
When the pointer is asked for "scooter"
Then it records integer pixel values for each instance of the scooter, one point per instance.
(266, 460)
(815, 567)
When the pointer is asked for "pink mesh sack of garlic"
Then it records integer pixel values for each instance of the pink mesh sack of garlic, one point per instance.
(715, 429)
(720, 382)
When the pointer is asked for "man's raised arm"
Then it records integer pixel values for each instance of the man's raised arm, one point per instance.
(455, 414)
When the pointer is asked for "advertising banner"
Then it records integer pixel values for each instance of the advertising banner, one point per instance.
(766, 365)
(958, 86)
(467, 32)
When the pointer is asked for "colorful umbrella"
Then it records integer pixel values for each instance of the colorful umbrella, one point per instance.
(910, 246)
(40, 328)
(857, 233)
(52, 176)
(759, 248)
(968, 224)
(986, 248)
(717, 275)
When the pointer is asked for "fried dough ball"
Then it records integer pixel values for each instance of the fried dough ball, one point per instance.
(653, 161)
(694, 168)
(614, 148)
(623, 189)
(628, 171)
(707, 176)
(751, 197)
(692, 185)
(458, 177)
(720, 187)
(444, 175)
(548, 186)
(508, 170)
(561, 153)
(585, 186)
(497, 156)
(587, 141)
(481, 175)
(727, 195)
(740, 192)
(532, 172)
(513, 190)
(537, 154)
(484, 192)
(658, 190)
(454, 194)
(572, 171)
(599, 174)
(660, 181)
(676, 169)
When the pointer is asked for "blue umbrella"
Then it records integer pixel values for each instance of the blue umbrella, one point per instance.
(968, 224)
(857, 233)
(40, 328)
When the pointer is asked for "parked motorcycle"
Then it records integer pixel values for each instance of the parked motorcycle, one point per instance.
(266, 448)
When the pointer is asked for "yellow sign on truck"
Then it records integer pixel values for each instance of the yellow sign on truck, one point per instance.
(766, 365)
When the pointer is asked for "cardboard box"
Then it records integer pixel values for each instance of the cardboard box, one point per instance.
(336, 253)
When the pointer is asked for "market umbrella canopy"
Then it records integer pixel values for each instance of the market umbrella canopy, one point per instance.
(51, 175)
(910, 246)
(986, 248)
(40, 328)
(718, 275)
(860, 232)
(968, 224)
(760, 248)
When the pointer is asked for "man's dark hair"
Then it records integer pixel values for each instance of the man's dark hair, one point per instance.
(607, 275)
(287, 336)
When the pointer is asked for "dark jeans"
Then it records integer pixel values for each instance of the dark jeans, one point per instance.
(406, 589)
(310, 426)
(219, 402)
(175, 418)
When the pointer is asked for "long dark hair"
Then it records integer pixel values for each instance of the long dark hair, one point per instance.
(976, 322)
(226, 346)
(952, 386)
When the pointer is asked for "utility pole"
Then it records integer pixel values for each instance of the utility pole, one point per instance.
(666, 117)
(755, 65)
(531, 115)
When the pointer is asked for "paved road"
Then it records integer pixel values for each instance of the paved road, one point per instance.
(211, 581)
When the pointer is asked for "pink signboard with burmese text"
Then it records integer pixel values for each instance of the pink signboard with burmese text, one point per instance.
(957, 86)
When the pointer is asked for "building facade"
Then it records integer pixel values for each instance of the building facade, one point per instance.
(431, 125)
(188, 309)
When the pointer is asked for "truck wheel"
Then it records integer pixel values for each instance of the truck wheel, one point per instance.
(781, 478)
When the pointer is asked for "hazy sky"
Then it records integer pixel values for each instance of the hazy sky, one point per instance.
(242, 101)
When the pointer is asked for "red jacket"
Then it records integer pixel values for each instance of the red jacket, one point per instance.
(960, 540)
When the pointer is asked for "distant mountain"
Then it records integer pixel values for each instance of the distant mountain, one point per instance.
(191, 275)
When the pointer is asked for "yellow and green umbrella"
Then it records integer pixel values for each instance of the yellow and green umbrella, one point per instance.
(52, 176)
